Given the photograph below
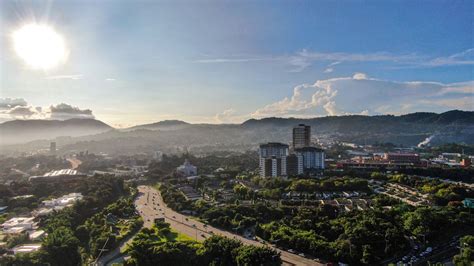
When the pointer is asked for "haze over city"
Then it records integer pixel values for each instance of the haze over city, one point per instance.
(128, 63)
(236, 133)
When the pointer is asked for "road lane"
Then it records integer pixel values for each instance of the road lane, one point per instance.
(150, 205)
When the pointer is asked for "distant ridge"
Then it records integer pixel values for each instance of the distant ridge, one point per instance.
(18, 131)
(409, 130)
(161, 125)
(449, 117)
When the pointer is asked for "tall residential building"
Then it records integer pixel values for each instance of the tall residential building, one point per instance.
(301, 136)
(295, 165)
(313, 158)
(52, 147)
(273, 159)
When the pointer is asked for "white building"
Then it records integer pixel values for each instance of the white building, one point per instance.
(313, 158)
(186, 169)
(27, 248)
(18, 224)
(64, 201)
(273, 159)
(36, 235)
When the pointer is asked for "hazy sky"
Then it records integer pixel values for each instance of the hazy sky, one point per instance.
(133, 62)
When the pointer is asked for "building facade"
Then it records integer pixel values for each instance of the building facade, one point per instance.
(295, 165)
(312, 158)
(52, 148)
(301, 136)
(186, 169)
(394, 157)
(273, 159)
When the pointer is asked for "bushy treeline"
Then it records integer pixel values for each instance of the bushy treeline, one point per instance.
(440, 193)
(160, 246)
(365, 237)
(75, 232)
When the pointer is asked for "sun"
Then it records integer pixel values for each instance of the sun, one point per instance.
(40, 46)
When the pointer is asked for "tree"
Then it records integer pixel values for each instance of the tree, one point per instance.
(218, 250)
(466, 257)
(252, 255)
(61, 247)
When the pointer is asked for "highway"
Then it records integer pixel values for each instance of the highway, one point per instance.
(150, 205)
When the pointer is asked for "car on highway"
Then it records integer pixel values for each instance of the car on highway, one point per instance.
(186, 219)
(194, 225)
(174, 217)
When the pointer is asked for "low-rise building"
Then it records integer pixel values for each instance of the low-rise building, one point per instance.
(186, 169)
(63, 175)
(36, 235)
(18, 223)
(190, 193)
(27, 248)
(64, 201)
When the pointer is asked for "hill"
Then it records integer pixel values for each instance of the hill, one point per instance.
(18, 131)
(162, 125)
(177, 136)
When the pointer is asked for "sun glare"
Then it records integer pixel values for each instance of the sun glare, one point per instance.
(40, 46)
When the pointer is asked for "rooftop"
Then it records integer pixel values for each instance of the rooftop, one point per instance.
(62, 172)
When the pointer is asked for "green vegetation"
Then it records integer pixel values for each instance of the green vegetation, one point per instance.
(453, 148)
(466, 256)
(232, 163)
(159, 245)
(366, 237)
(61, 247)
(441, 193)
(173, 198)
(75, 233)
(111, 226)
(357, 237)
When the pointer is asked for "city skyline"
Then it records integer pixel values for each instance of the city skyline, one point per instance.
(132, 63)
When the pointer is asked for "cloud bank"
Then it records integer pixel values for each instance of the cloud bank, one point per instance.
(303, 59)
(360, 94)
(18, 108)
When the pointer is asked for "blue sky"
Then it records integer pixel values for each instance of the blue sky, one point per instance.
(135, 62)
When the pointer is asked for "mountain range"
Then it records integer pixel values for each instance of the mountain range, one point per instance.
(174, 135)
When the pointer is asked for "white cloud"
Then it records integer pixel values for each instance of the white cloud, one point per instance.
(225, 116)
(330, 67)
(360, 94)
(65, 111)
(22, 112)
(8, 103)
(359, 76)
(109, 79)
(73, 77)
(305, 58)
(463, 58)
(19, 109)
(230, 116)
(231, 60)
